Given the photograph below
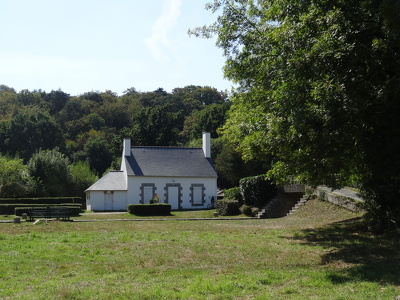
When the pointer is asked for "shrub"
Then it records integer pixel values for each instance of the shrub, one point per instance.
(234, 193)
(257, 190)
(160, 209)
(247, 210)
(227, 207)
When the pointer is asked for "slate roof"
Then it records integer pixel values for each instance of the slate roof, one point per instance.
(169, 162)
(112, 181)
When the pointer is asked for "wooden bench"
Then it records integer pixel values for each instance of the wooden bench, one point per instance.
(59, 213)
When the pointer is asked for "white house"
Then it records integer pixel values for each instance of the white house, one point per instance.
(182, 177)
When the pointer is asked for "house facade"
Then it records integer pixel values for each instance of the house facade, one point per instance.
(182, 177)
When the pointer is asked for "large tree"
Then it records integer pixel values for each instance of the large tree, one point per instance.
(15, 180)
(29, 131)
(51, 170)
(318, 88)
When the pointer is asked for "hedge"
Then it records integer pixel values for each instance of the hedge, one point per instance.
(227, 207)
(247, 210)
(43, 200)
(257, 190)
(9, 208)
(159, 209)
(74, 209)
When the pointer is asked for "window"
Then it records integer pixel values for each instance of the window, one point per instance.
(197, 194)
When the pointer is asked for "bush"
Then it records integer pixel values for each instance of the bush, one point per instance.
(227, 207)
(247, 210)
(257, 190)
(234, 193)
(160, 209)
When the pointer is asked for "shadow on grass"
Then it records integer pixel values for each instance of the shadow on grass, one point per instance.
(358, 254)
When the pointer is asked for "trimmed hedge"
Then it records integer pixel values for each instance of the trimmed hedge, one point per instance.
(9, 208)
(74, 209)
(257, 190)
(44, 200)
(227, 207)
(159, 209)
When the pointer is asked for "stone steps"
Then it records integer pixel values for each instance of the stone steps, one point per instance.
(261, 213)
(301, 202)
(288, 200)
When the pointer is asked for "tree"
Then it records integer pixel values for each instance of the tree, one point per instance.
(156, 126)
(51, 170)
(57, 100)
(98, 155)
(27, 132)
(209, 119)
(82, 177)
(15, 180)
(319, 88)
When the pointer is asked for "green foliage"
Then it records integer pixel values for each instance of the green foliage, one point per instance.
(157, 209)
(247, 210)
(90, 127)
(15, 180)
(318, 88)
(209, 119)
(234, 194)
(81, 178)
(27, 132)
(42, 200)
(98, 154)
(51, 170)
(257, 190)
(227, 207)
(156, 126)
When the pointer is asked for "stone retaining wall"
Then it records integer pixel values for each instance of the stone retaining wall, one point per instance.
(345, 202)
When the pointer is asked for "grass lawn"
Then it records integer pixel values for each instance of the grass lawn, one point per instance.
(317, 253)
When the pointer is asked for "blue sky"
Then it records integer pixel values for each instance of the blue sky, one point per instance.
(96, 45)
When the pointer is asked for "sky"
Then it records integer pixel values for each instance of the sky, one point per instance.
(81, 46)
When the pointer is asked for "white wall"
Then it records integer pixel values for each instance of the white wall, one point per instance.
(95, 200)
(135, 182)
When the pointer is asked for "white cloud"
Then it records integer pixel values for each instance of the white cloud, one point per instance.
(158, 43)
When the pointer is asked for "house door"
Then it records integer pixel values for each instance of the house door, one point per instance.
(173, 196)
(147, 194)
(108, 200)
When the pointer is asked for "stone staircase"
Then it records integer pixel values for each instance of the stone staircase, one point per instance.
(301, 202)
(286, 203)
(261, 214)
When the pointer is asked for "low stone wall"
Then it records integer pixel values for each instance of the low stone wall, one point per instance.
(345, 202)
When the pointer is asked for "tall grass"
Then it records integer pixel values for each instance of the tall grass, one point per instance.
(317, 253)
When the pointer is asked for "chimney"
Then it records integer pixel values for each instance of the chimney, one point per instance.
(127, 147)
(207, 144)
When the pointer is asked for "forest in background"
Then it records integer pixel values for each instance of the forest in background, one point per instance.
(55, 144)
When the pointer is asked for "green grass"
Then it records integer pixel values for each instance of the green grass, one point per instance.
(320, 252)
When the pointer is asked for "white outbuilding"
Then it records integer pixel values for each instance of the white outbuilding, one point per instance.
(182, 177)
